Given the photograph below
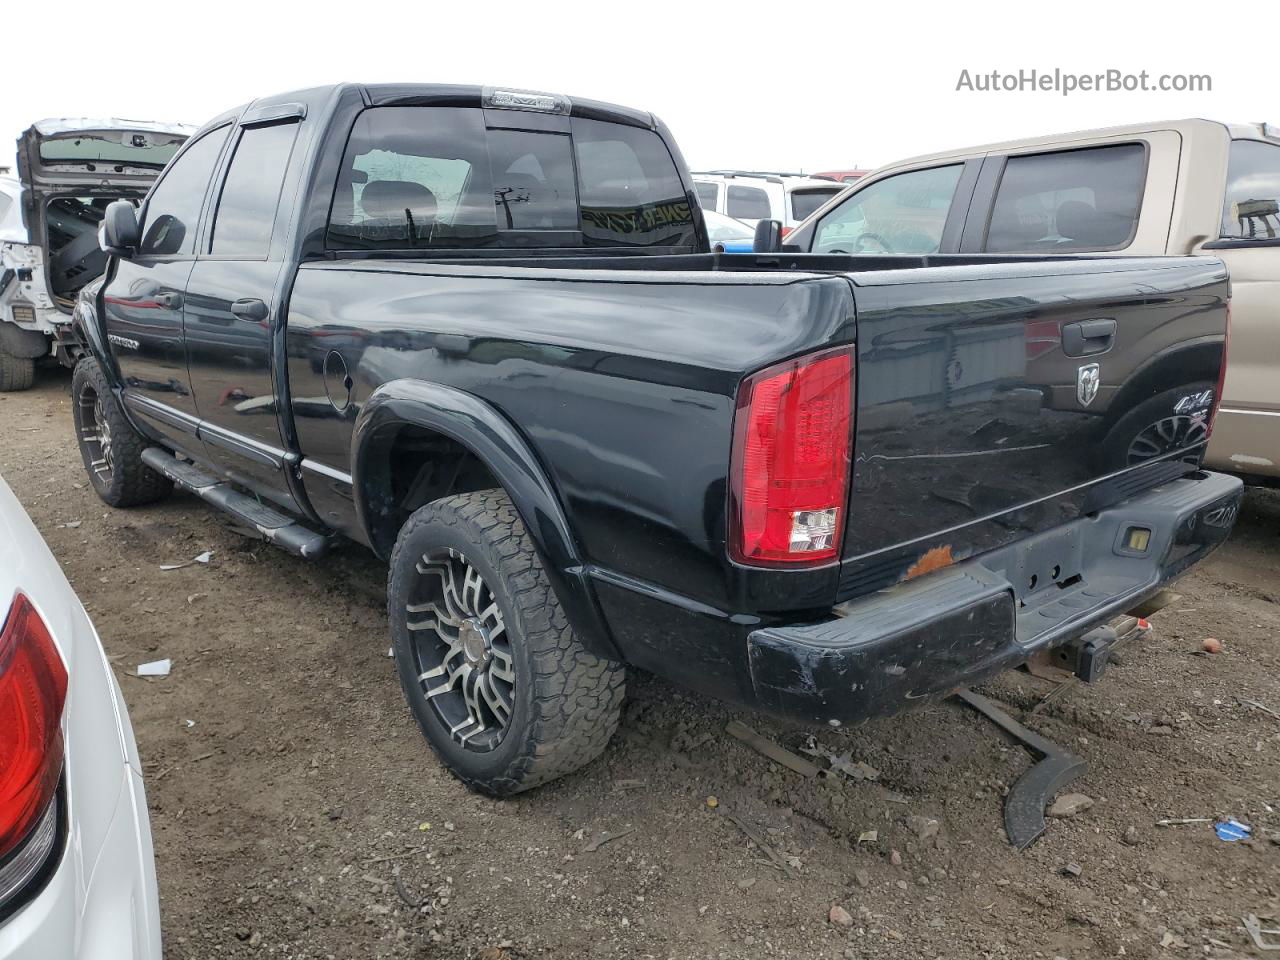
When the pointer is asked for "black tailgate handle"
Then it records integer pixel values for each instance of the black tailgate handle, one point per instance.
(1084, 338)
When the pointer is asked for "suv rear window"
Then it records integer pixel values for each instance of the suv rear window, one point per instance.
(1252, 207)
(423, 177)
(805, 203)
(706, 194)
(127, 147)
(747, 203)
(1069, 201)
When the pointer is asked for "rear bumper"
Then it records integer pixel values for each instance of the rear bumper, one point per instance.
(923, 639)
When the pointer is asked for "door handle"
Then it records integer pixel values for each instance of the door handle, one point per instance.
(255, 311)
(1086, 338)
(170, 301)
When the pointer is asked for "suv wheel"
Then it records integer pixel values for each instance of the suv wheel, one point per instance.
(110, 447)
(16, 373)
(503, 690)
(1167, 422)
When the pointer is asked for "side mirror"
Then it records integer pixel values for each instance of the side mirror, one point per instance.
(118, 232)
(768, 238)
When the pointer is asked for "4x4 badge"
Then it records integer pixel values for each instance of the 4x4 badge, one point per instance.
(1088, 379)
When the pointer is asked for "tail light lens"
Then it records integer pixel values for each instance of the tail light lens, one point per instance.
(1222, 376)
(793, 433)
(33, 689)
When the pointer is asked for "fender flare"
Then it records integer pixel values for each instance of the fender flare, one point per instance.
(1196, 354)
(490, 437)
(85, 325)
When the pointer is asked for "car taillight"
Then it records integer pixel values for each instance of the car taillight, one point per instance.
(33, 689)
(785, 231)
(1222, 376)
(793, 434)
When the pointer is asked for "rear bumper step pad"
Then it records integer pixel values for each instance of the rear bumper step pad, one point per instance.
(278, 528)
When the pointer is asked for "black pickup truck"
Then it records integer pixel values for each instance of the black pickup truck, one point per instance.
(482, 333)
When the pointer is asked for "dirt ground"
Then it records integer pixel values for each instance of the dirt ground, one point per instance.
(298, 813)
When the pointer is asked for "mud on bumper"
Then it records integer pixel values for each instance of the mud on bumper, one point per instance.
(923, 639)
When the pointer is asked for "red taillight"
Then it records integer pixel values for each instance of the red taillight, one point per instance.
(793, 433)
(1222, 376)
(33, 688)
(786, 230)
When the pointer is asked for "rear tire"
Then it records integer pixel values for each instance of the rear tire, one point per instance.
(110, 447)
(1166, 422)
(503, 690)
(16, 373)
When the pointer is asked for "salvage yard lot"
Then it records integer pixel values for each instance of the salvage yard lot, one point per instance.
(298, 813)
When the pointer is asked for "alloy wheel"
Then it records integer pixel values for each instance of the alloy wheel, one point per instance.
(95, 433)
(460, 649)
(1166, 435)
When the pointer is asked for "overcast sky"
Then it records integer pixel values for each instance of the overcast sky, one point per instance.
(768, 86)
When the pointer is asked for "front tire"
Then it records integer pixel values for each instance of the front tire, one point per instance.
(16, 373)
(504, 691)
(110, 447)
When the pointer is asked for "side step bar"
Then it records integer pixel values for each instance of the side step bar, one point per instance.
(278, 528)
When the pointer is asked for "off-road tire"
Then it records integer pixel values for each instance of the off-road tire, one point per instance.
(566, 700)
(129, 482)
(1114, 453)
(16, 373)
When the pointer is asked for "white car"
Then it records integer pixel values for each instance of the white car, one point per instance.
(68, 171)
(752, 197)
(77, 873)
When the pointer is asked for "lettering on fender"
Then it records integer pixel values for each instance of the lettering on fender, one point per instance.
(124, 342)
(1194, 401)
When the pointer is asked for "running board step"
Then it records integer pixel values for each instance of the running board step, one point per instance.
(278, 528)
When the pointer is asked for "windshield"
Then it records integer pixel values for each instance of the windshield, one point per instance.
(125, 147)
(721, 228)
(805, 203)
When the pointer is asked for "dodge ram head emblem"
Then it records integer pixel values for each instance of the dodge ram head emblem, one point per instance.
(1088, 379)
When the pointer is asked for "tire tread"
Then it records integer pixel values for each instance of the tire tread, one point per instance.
(133, 483)
(578, 696)
(16, 373)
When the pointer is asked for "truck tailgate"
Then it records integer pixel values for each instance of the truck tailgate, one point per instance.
(984, 396)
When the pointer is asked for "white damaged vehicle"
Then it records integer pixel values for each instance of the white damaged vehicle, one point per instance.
(68, 171)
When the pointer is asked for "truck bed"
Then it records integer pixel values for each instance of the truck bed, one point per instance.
(623, 371)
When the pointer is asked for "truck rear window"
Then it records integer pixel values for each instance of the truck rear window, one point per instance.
(423, 177)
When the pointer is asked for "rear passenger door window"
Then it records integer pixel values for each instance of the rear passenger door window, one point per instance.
(707, 193)
(1069, 201)
(904, 213)
(747, 203)
(1251, 210)
(246, 210)
(173, 208)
